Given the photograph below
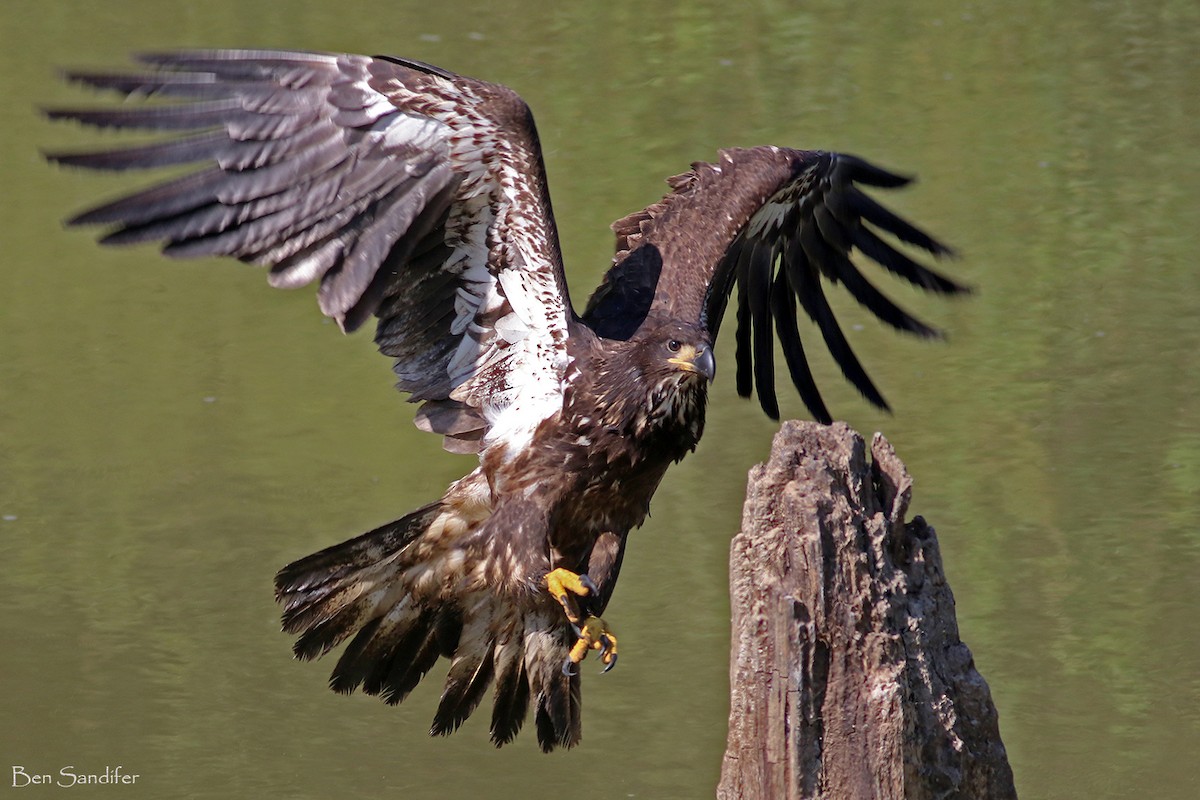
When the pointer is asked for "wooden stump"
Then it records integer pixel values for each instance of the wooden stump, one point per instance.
(848, 676)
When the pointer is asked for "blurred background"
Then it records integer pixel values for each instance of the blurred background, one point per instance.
(173, 432)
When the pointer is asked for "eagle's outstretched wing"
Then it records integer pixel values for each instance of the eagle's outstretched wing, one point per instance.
(419, 196)
(391, 182)
(771, 221)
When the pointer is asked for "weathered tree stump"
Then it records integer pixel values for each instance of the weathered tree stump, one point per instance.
(848, 676)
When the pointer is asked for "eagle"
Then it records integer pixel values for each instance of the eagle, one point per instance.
(418, 196)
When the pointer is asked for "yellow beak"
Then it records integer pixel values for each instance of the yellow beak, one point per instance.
(699, 361)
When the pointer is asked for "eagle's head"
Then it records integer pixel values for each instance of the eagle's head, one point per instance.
(678, 351)
(676, 363)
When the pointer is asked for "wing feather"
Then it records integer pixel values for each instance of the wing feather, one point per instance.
(758, 288)
(783, 309)
(744, 352)
(406, 191)
(771, 222)
(812, 299)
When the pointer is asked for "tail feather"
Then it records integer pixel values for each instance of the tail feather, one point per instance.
(557, 696)
(510, 701)
(323, 606)
(316, 588)
(392, 653)
(356, 665)
(470, 671)
(466, 685)
(413, 656)
(367, 660)
(322, 632)
(366, 590)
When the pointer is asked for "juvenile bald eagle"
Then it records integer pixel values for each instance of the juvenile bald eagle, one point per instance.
(419, 197)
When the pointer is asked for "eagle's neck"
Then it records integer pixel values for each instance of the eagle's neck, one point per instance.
(663, 413)
(673, 408)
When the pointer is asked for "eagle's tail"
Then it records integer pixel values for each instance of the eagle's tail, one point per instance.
(365, 587)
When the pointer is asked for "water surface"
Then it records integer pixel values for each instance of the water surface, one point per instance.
(171, 433)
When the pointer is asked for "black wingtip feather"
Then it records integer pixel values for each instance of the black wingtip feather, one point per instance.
(812, 299)
(744, 370)
(885, 219)
(862, 171)
(837, 262)
(783, 304)
(891, 259)
(758, 287)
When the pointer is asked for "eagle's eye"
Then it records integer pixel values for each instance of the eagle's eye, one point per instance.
(674, 345)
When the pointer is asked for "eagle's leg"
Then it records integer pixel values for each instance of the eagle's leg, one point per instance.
(566, 587)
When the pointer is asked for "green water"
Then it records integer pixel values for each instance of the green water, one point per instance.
(171, 433)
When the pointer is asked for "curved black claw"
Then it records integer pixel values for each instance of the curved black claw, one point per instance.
(593, 634)
(610, 661)
(573, 590)
(589, 584)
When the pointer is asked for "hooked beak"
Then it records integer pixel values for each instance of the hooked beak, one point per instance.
(699, 361)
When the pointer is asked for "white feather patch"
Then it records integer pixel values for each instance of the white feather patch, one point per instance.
(509, 309)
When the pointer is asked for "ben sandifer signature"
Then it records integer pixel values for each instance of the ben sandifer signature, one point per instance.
(71, 776)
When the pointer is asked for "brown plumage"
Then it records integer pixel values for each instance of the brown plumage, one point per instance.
(419, 196)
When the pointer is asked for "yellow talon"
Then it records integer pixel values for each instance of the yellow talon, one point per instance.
(593, 635)
(562, 583)
(593, 632)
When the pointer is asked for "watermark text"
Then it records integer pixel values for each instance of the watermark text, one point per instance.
(71, 775)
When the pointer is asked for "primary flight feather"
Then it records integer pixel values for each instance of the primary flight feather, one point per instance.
(419, 197)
